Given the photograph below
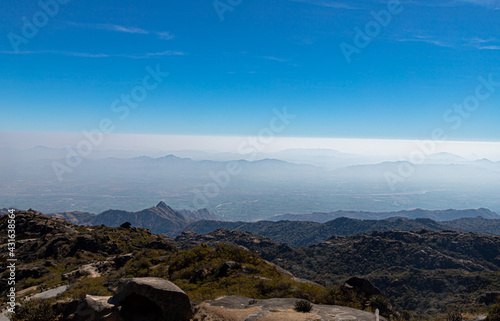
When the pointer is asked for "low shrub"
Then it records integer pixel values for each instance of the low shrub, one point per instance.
(303, 306)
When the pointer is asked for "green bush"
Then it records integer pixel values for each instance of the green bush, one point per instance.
(303, 306)
(494, 313)
(34, 310)
(454, 316)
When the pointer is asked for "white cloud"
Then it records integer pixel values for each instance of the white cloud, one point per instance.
(166, 53)
(275, 59)
(489, 48)
(483, 3)
(94, 55)
(164, 35)
(330, 4)
(118, 28)
(478, 43)
(428, 40)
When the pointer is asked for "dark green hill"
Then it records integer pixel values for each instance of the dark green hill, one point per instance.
(302, 233)
(51, 252)
(476, 224)
(424, 271)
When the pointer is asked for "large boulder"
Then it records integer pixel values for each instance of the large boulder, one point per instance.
(122, 259)
(152, 299)
(362, 285)
(489, 298)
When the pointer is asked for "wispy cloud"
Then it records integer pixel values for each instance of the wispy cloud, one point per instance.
(94, 55)
(55, 52)
(489, 48)
(486, 44)
(166, 53)
(492, 4)
(110, 27)
(477, 43)
(428, 40)
(275, 58)
(483, 3)
(330, 4)
(164, 35)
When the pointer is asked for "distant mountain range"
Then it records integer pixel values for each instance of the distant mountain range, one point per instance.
(425, 271)
(163, 219)
(290, 181)
(159, 219)
(303, 233)
(437, 215)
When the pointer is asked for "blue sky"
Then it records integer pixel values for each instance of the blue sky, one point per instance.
(226, 77)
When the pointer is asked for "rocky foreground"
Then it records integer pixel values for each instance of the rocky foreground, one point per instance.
(96, 273)
(91, 273)
(237, 308)
(157, 299)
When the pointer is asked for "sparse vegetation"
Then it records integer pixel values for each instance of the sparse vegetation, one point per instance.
(126, 225)
(454, 316)
(205, 272)
(34, 310)
(494, 313)
(303, 306)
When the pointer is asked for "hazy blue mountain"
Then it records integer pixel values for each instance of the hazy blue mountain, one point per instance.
(305, 233)
(436, 215)
(159, 219)
(261, 188)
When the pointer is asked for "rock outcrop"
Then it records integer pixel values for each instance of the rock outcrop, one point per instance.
(135, 299)
(92, 308)
(489, 298)
(237, 308)
(155, 298)
(362, 285)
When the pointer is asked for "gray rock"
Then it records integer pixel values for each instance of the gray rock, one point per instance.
(239, 308)
(95, 308)
(151, 299)
(481, 317)
(362, 285)
(488, 298)
(225, 267)
(122, 259)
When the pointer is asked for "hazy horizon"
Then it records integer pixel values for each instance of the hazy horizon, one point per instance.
(229, 144)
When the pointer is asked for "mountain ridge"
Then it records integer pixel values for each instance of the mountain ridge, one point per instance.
(437, 215)
(163, 219)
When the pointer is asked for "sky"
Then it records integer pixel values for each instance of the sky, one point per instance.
(232, 64)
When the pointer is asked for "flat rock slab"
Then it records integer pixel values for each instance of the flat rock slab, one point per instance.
(237, 308)
(50, 293)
